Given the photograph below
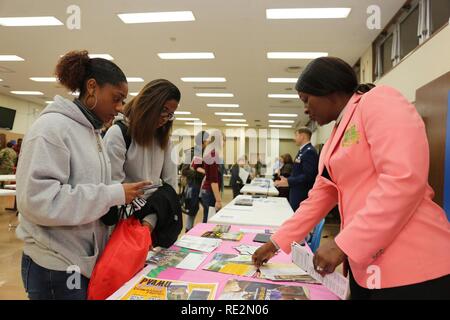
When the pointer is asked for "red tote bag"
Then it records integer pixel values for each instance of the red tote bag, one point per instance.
(123, 257)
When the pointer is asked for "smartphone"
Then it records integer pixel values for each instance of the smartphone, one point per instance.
(153, 186)
(262, 238)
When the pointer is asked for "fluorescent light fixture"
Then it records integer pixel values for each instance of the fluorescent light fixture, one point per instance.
(234, 120)
(296, 55)
(215, 95)
(186, 55)
(182, 112)
(152, 17)
(222, 105)
(204, 79)
(8, 57)
(133, 94)
(280, 126)
(281, 121)
(187, 119)
(236, 125)
(43, 79)
(29, 21)
(1, 80)
(283, 115)
(282, 80)
(195, 123)
(28, 93)
(283, 96)
(101, 55)
(48, 102)
(135, 79)
(229, 114)
(308, 13)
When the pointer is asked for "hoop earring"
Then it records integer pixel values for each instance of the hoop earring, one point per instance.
(95, 104)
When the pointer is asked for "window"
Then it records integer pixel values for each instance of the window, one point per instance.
(408, 33)
(414, 24)
(440, 13)
(386, 54)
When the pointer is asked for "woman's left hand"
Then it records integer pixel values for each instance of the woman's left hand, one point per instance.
(327, 258)
(150, 228)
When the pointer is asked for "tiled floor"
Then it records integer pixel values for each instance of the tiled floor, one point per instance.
(11, 287)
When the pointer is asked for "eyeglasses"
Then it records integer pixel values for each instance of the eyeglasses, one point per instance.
(169, 115)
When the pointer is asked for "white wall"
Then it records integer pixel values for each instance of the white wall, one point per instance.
(26, 112)
(367, 66)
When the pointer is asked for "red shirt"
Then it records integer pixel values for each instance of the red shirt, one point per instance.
(209, 164)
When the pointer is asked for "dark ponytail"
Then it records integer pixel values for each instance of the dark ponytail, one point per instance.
(327, 75)
(364, 88)
(75, 68)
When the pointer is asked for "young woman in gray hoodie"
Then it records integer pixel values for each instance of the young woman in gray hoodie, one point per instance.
(149, 118)
(64, 180)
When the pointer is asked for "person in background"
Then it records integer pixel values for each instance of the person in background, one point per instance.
(219, 142)
(285, 171)
(394, 241)
(235, 180)
(17, 148)
(259, 166)
(194, 177)
(276, 165)
(304, 170)
(64, 180)
(8, 159)
(210, 192)
(148, 118)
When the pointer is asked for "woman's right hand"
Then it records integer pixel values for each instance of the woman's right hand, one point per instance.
(134, 190)
(264, 254)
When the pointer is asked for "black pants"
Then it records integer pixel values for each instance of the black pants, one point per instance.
(437, 289)
(236, 189)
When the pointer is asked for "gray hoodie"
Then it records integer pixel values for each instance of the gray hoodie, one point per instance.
(63, 189)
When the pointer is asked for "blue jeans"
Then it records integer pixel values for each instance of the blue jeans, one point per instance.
(208, 200)
(44, 284)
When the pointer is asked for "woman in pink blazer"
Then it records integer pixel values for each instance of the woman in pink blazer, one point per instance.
(394, 239)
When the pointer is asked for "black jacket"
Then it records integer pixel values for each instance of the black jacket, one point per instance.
(235, 179)
(186, 170)
(165, 204)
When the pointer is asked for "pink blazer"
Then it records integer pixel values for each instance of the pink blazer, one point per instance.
(378, 159)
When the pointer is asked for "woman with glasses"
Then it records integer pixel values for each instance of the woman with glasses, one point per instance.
(149, 118)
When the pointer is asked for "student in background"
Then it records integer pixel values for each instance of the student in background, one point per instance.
(304, 170)
(276, 165)
(17, 148)
(148, 118)
(235, 180)
(395, 241)
(285, 171)
(259, 168)
(64, 180)
(194, 178)
(210, 192)
(219, 142)
(8, 158)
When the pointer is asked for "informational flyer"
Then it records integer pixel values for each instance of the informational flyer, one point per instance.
(160, 289)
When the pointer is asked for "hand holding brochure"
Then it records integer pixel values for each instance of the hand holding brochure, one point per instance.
(335, 281)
